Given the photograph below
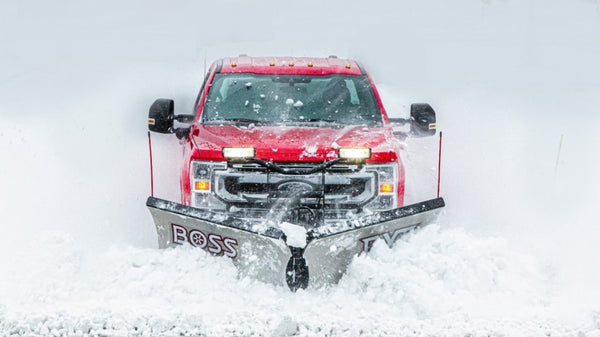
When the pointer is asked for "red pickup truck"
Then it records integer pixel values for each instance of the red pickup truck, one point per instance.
(288, 140)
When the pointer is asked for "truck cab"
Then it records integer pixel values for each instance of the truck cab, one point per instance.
(273, 137)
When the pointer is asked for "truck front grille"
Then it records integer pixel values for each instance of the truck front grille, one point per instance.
(251, 185)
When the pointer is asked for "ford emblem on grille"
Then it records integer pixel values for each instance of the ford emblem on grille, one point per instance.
(295, 187)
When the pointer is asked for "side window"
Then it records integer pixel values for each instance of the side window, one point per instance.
(201, 92)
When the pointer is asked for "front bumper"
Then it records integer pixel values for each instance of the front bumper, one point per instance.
(261, 251)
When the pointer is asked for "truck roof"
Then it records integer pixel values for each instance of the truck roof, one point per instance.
(290, 65)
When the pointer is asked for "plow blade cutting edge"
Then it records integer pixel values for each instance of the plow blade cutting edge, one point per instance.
(263, 253)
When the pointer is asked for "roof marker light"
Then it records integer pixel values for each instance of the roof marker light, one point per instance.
(271, 63)
(233, 64)
(347, 65)
(310, 64)
(291, 63)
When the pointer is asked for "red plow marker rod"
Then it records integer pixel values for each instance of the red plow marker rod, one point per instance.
(439, 165)
(151, 168)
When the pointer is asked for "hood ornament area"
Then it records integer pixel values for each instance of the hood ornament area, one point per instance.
(295, 187)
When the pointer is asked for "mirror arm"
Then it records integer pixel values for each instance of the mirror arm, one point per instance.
(401, 135)
(400, 120)
(184, 118)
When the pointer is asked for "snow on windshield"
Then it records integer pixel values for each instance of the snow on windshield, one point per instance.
(292, 98)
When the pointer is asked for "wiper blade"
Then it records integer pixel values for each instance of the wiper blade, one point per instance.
(322, 120)
(316, 120)
(234, 121)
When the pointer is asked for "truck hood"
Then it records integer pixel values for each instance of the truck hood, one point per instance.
(292, 143)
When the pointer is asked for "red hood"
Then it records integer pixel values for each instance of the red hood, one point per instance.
(292, 143)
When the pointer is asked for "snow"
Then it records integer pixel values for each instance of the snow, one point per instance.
(295, 234)
(514, 254)
(432, 282)
(310, 149)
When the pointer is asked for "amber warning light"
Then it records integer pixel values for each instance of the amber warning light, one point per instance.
(201, 185)
(386, 188)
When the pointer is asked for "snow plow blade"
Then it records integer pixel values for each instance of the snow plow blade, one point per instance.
(263, 252)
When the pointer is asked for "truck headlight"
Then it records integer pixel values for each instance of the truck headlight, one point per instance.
(238, 152)
(387, 179)
(201, 181)
(354, 152)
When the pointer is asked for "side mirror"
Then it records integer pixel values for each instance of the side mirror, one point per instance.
(161, 116)
(422, 120)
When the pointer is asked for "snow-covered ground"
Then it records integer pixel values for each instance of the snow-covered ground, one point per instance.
(516, 85)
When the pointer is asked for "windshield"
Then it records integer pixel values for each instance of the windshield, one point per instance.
(291, 99)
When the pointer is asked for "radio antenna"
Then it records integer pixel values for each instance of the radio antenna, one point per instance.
(204, 62)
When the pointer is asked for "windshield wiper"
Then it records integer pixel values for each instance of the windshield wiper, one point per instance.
(235, 121)
(316, 120)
